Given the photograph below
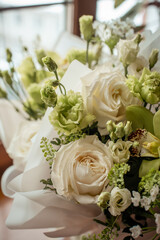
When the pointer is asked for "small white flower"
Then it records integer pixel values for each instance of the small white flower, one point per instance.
(154, 192)
(120, 200)
(136, 231)
(145, 202)
(136, 198)
(157, 220)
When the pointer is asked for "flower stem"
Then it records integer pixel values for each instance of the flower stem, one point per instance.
(126, 70)
(87, 53)
(155, 236)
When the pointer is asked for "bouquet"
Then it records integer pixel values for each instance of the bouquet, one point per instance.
(94, 164)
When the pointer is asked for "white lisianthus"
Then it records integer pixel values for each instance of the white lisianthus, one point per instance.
(80, 169)
(119, 150)
(127, 51)
(21, 143)
(137, 66)
(136, 231)
(106, 95)
(120, 200)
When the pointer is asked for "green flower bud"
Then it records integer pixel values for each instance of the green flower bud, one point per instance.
(128, 128)
(3, 94)
(48, 95)
(34, 92)
(112, 41)
(103, 200)
(40, 54)
(110, 127)
(7, 77)
(9, 55)
(153, 58)
(51, 65)
(86, 27)
(119, 131)
(27, 70)
(138, 39)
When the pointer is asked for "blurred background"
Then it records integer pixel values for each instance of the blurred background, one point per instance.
(42, 24)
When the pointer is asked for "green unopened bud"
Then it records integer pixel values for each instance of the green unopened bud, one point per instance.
(50, 64)
(86, 27)
(153, 58)
(103, 200)
(128, 128)
(40, 54)
(9, 55)
(7, 77)
(119, 130)
(110, 127)
(138, 38)
(48, 95)
(3, 94)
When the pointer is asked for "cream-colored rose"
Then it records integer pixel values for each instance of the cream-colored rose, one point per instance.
(106, 95)
(21, 143)
(127, 51)
(80, 169)
(120, 150)
(120, 200)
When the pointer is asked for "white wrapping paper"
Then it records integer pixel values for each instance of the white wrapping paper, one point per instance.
(38, 208)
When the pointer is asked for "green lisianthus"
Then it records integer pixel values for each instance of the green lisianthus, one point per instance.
(34, 92)
(134, 86)
(27, 70)
(69, 115)
(147, 87)
(48, 94)
(150, 90)
(86, 27)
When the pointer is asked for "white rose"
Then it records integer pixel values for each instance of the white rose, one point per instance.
(21, 143)
(80, 169)
(120, 200)
(120, 150)
(127, 51)
(106, 95)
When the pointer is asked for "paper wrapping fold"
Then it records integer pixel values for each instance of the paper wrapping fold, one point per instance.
(36, 208)
(9, 122)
